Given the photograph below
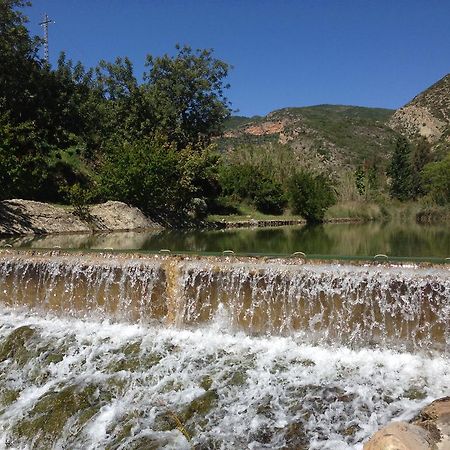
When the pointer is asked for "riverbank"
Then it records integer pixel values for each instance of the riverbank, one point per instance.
(342, 212)
(25, 217)
(275, 222)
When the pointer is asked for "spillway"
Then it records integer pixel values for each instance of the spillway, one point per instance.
(364, 304)
(154, 351)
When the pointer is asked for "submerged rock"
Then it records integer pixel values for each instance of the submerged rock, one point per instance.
(15, 345)
(430, 430)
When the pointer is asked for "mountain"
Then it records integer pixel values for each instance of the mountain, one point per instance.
(338, 136)
(427, 114)
(330, 136)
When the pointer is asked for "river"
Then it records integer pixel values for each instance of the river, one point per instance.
(368, 239)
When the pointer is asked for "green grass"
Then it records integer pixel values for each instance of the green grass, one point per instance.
(248, 212)
(72, 158)
(358, 211)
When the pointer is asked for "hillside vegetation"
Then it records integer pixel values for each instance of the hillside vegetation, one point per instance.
(332, 135)
(164, 140)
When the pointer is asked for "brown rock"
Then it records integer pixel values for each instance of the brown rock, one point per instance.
(435, 418)
(400, 436)
(30, 217)
(119, 216)
(430, 430)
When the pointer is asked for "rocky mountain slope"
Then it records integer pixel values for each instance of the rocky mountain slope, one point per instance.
(325, 135)
(334, 136)
(427, 114)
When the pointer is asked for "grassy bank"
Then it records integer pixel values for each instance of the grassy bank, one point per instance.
(358, 211)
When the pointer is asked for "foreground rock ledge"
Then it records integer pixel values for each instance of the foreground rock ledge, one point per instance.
(30, 217)
(430, 430)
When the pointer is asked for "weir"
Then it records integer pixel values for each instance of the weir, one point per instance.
(377, 304)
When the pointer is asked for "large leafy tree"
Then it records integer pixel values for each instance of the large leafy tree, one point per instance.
(421, 156)
(152, 137)
(20, 67)
(436, 180)
(311, 195)
(187, 93)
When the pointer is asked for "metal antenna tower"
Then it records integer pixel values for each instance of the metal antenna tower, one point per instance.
(44, 24)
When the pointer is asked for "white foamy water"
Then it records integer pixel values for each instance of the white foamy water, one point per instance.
(80, 384)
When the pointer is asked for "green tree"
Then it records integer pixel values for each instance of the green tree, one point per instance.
(360, 181)
(19, 64)
(436, 180)
(421, 156)
(270, 197)
(187, 93)
(247, 182)
(170, 185)
(400, 170)
(311, 195)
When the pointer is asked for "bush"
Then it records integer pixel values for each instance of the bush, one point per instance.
(240, 180)
(246, 182)
(311, 195)
(79, 197)
(168, 185)
(436, 180)
(269, 197)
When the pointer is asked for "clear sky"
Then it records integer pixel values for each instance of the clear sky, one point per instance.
(284, 52)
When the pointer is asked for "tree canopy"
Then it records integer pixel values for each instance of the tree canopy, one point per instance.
(100, 126)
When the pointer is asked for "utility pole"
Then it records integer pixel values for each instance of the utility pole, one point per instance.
(44, 24)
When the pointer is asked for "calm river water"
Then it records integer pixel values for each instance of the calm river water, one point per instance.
(393, 239)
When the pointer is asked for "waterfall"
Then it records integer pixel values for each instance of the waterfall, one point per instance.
(136, 351)
(362, 305)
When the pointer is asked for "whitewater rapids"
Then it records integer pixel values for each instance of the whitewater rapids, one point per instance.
(80, 384)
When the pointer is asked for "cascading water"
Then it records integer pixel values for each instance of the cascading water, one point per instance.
(163, 352)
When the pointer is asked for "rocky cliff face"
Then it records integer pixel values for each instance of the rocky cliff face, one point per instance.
(427, 115)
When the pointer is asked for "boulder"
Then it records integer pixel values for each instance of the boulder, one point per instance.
(399, 436)
(429, 430)
(435, 418)
(31, 217)
(116, 216)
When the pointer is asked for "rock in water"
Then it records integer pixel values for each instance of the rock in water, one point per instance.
(430, 430)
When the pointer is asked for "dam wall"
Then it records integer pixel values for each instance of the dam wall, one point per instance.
(345, 303)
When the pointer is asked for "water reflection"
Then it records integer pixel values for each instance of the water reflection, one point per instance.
(330, 239)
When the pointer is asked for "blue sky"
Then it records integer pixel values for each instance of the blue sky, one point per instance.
(284, 52)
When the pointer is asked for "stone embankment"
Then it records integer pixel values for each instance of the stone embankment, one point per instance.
(430, 430)
(274, 222)
(30, 217)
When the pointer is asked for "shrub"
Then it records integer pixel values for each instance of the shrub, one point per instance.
(247, 182)
(79, 197)
(269, 197)
(239, 180)
(311, 195)
(169, 185)
(436, 180)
